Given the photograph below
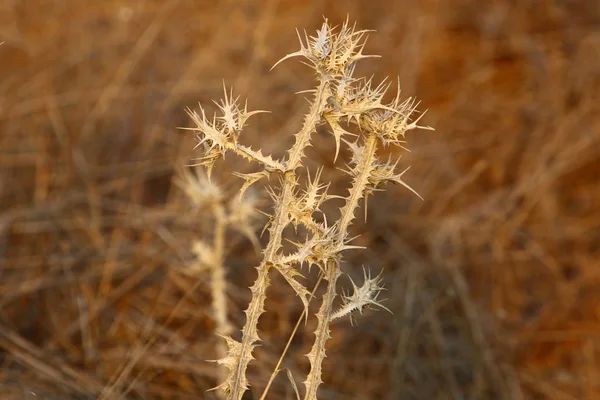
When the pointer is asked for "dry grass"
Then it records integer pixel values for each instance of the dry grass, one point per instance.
(492, 280)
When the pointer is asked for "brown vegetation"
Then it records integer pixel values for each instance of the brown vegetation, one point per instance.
(492, 279)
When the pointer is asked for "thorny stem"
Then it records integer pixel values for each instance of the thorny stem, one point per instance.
(289, 342)
(218, 284)
(357, 192)
(218, 273)
(358, 188)
(338, 98)
(280, 221)
(310, 123)
(317, 354)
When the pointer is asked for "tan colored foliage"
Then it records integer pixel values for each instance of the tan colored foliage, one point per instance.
(491, 279)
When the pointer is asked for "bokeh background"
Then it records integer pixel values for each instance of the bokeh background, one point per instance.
(493, 279)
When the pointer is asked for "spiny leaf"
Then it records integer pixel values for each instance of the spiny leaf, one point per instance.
(391, 123)
(385, 173)
(293, 383)
(233, 117)
(290, 274)
(243, 216)
(365, 296)
(208, 161)
(361, 98)
(337, 131)
(305, 251)
(199, 189)
(269, 163)
(234, 351)
(330, 52)
(249, 180)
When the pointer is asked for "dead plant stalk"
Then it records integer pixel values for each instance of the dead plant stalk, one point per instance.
(341, 101)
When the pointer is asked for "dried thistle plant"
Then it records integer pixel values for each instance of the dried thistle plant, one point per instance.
(228, 214)
(342, 102)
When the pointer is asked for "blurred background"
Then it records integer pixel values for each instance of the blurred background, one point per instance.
(493, 279)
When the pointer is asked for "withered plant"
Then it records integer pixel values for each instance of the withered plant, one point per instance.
(346, 104)
(227, 214)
